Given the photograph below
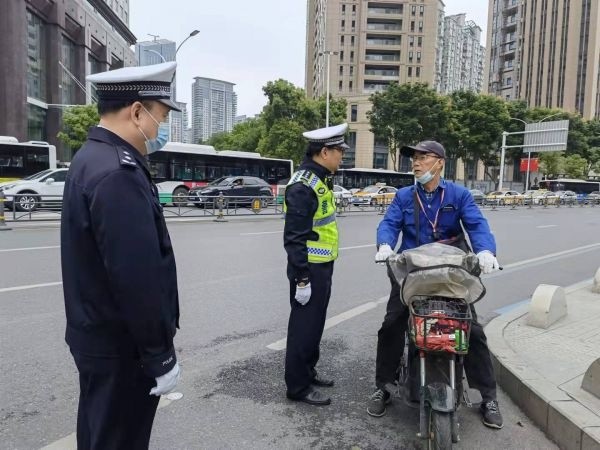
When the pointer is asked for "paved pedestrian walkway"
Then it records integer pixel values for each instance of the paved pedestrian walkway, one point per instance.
(542, 369)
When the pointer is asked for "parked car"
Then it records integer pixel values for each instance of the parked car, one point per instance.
(593, 197)
(239, 191)
(30, 193)
(374, 195)
(567, 197)
(504, 198)
(342, 195)
(478, 196)
(541, 197)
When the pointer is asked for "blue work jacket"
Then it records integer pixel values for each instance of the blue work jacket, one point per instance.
(458, 207)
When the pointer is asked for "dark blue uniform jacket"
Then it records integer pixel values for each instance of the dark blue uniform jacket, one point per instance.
(119, 275)
(458, 207)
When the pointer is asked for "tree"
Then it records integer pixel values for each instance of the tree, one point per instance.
(287, 114)
(405, 114)
(575, 166)
(244, 136)
(476, 126)
(551, 164)
(76, 122)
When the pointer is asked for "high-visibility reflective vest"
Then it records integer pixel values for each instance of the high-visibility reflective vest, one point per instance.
(326, 248)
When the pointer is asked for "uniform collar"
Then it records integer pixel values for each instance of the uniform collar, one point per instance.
(106, 136)
(316, 168)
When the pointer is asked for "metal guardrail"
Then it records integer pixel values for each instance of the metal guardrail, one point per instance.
(32, 207)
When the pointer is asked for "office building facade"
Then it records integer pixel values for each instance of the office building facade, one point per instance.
(372, 44)
(463, 55)
(179, 123)
(214, 108)
(546, 53)
(48, 45)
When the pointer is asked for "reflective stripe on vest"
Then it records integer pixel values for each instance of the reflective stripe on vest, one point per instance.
(324, 224)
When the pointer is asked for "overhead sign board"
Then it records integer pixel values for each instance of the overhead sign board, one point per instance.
(546, 136)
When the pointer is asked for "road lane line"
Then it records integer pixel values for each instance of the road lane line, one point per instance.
(27, 248)
(546, 226)
(335, 320)
(29, 286)
(358, 246)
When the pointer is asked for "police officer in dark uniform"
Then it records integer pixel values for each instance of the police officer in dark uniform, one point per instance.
(311, 242)
(119, 275)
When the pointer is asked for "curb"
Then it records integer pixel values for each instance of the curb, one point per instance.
(564, 420)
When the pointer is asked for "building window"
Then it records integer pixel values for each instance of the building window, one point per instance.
(409, 71)
(350, 85)
(352, 41)
(343, 9)
(36, 57)
(352, 55)
(353, 10)
(418, 57)
(354, 25)
(420, 41)
(412, 25)
(380, 160)
(67, 83)
(410, 56)
(340, 85)
(342, 55)
(342, 40)
(411, 41)
(353, 113)
(341, 70)
(343, 24)
(421, 10)
(351, 70)
(417, 71)
(420, 26)
(413, 10)
(36, 123)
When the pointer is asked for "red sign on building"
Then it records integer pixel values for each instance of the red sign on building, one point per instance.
(533, 165)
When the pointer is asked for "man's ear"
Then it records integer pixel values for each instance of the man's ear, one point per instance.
(135, 111)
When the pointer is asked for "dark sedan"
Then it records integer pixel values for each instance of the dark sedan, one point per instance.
(478, 196)
(238, 191)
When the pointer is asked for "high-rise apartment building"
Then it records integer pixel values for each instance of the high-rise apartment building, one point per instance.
(214, 107)
(463, 55)
(154, 52)
(179, 123)
(370, 44)
(546, 53)
(48, 49)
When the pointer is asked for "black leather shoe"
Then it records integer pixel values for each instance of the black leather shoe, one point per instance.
(322, 382)
(315, 398)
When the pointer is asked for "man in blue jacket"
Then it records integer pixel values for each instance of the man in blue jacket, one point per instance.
(432, 210)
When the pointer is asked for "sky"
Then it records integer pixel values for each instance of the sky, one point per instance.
(242, 41)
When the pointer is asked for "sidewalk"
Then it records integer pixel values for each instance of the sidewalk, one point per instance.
(542, 370)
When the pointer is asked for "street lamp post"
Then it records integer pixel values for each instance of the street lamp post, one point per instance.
(328, 53)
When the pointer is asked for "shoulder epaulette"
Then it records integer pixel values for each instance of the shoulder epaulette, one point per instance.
(126, 158)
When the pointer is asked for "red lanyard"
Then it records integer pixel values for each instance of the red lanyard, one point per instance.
(434, 223)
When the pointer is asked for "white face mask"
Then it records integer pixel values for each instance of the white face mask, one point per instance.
(153, 145)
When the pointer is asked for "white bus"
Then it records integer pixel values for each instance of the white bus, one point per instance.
(22, 159)
(178, 167)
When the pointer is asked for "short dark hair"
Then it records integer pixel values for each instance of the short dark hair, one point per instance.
(111, 106)
(313, 148)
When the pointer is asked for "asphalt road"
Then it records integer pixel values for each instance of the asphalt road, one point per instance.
(234, 304)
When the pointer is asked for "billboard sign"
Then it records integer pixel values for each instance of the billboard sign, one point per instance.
(546, 136)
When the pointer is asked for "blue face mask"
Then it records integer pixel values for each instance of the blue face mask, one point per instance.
(153, 145)
(426, 177)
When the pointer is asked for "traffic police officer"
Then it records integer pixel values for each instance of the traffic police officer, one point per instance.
(433, 210)
(119, 275)
(311, 241)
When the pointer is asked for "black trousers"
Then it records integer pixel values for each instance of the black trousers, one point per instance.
(305, 329)
(115, 408)
(390, 347)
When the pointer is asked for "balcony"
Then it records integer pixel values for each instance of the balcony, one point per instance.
(384, 12)
(510, 6)
(382, 73)
(383, 41)
(372, 87)
(510, 22)
(372, 57)
(394, 26)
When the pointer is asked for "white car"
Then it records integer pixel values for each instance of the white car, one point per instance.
(342, 195)
(30, 192)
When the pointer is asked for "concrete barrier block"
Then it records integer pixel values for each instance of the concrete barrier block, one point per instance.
(548, 305)
(591, 379)
(596, 285)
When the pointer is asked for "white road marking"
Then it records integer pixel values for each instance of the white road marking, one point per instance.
(70, 442)
(28, 248)
(335, 320)
(29, 286)
(358, 246)
(546, 226)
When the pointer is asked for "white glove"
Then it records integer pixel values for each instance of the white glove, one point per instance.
(487, 261)
(303, 294)
(167, 382)
(384, 252)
